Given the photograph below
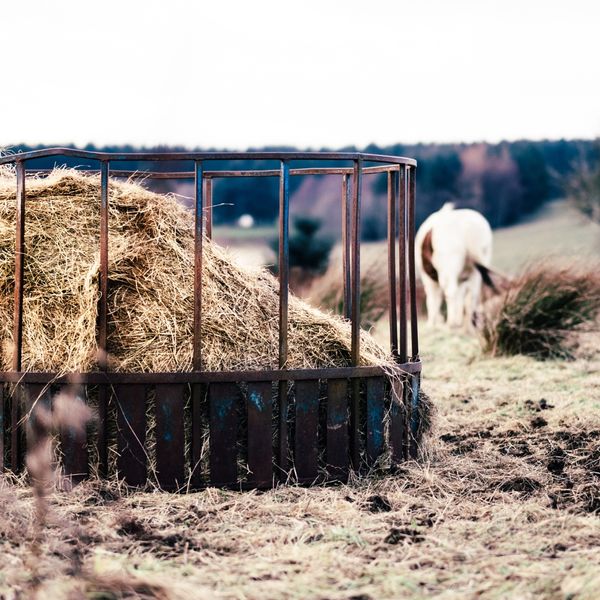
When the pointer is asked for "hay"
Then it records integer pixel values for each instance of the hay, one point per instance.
(150, 289)
(541, 311)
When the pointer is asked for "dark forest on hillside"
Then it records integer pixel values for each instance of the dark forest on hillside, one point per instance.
(505, 181)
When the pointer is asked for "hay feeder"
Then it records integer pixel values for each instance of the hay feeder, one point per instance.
(239, 428)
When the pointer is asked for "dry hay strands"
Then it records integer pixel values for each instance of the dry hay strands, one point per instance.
(151, 291)
(542, 310)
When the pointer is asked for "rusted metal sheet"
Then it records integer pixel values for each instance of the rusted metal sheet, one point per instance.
(131, 433)
(73, 443)
(375, 412)
(415, 414)
(16, 437)
(283, 448)
(199, 415)
(224, 399)
(306, 430)
(355, 423)
(170, 438)
(2, 428)
(37, 424)
(337, 429)
(102, 439)
(259, 403)
(397, 425)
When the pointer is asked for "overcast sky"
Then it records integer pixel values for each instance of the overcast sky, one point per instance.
(235, 74)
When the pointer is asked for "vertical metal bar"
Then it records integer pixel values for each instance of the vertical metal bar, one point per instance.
(284, 262)
(413, 390)
(197, 390)
(392, 185)
(284, 266)
(199, 201)
(103, 316)
(411, 265)
(355, 243)
(103, 390)
(403, 351)
(19, 267)
(355, 313)
(208, 190)
(346, 226)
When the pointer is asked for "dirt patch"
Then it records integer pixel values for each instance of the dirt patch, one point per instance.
(520, 484)
(377, 504)
(403, 536)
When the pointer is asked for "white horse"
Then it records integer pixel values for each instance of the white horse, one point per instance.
(453, 252)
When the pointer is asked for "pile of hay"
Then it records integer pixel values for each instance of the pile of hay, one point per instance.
(541, 311)
(150, 289)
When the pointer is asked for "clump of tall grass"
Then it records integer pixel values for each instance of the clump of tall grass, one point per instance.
(541, 311)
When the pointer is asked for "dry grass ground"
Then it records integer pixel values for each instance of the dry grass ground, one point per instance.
(508, 506)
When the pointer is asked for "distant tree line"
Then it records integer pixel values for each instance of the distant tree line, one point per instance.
(583, 186)
(504, 181)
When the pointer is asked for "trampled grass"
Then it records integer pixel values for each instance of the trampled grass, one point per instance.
(507, 507)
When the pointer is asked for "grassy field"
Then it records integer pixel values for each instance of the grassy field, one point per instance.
(505, 504)
(557, 229)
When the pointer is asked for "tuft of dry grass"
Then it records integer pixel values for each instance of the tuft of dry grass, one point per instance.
(540, 311)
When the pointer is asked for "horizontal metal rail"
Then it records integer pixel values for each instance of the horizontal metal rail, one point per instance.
(113, 377)
(195, 156)
(231, 174)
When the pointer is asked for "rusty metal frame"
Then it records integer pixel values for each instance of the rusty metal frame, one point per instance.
(350, 387)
